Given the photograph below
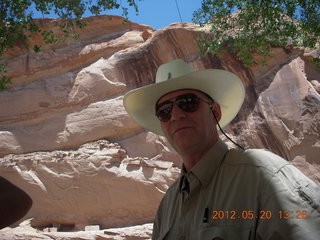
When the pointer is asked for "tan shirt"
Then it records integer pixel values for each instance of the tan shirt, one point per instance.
(234, 194)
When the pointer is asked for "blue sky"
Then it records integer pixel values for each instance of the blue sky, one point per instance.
(161, 13)
(157, 13)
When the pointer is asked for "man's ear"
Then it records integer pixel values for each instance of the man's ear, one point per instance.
(216, 110)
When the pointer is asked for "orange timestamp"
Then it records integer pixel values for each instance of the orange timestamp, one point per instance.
(261, 214)
(297, 214)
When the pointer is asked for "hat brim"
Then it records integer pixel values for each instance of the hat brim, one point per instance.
(224, 87)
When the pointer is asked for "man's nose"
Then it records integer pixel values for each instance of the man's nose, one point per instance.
(177, 113)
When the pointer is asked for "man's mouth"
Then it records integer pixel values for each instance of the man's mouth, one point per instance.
(180, 129)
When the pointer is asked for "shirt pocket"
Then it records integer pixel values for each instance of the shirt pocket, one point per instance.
(224, 233)
(308, 194)
(301, 186)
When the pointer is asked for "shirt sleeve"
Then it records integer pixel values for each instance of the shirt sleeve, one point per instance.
(294, 201)
(156, 227)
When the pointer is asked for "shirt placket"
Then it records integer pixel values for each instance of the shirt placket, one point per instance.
(189, 188)
(185, 190)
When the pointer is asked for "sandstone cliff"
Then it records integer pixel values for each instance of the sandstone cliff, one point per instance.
(66, 139)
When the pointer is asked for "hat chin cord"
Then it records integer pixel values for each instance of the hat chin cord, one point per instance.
(214, 115)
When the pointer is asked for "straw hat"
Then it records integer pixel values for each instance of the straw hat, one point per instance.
(224, 87)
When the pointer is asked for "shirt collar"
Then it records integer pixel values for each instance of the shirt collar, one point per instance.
(208, 165)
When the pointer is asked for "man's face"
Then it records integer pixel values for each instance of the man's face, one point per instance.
(187, 131)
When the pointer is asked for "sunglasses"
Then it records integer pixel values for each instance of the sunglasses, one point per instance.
(188, 102)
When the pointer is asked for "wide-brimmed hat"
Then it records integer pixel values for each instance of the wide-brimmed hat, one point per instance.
(224, 87)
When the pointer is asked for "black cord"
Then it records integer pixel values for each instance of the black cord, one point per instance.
(178, 11)
(225, 133)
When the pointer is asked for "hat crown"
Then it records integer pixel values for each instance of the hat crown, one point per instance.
(172, 70)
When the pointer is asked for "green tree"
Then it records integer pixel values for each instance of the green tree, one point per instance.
(254, 26)
(17, 22)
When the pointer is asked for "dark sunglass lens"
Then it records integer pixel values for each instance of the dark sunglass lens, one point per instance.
(164, 111)
(188, 102)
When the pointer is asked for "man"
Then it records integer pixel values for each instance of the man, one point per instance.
(222, 193)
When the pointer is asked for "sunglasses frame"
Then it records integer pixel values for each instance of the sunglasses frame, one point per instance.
(174, 100)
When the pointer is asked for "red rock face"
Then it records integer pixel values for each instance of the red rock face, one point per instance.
(71, 94)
